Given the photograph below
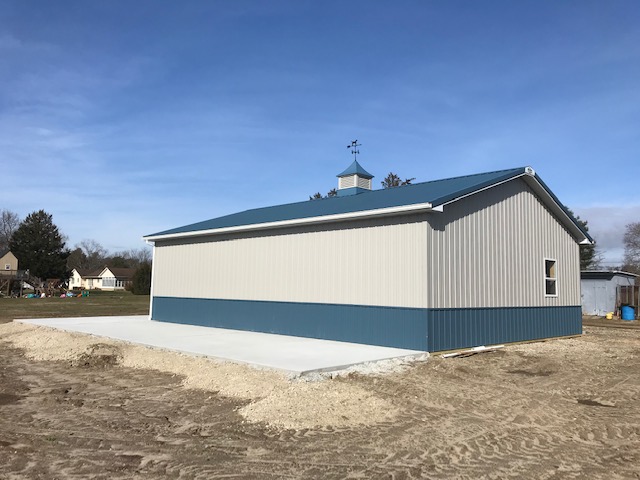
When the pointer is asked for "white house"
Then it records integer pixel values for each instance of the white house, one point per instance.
(475, 260)
(105, 278)
(113, 278)
(78, 279)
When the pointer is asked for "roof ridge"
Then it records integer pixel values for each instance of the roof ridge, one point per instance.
(464, 176)
(383, 189)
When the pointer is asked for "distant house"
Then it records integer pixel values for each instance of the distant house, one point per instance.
(78, 278)
(8, 270)
(606, 291)
(8, 262)
(116, 278)
(105, 278)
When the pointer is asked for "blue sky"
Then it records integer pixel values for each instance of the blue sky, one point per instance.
(126, 118)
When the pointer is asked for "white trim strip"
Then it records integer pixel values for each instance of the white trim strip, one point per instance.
(153, 266)
(482, 189)
(338, 217)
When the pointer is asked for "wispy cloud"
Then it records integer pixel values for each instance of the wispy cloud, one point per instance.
(125, 121)
(607, 225)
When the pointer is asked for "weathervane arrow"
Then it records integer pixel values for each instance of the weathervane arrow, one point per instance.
(354, 148)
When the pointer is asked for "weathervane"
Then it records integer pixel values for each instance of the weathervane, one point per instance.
(354, 148)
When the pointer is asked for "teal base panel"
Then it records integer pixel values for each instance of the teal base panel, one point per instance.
(422, 329)
(453, 328)
(371, 325)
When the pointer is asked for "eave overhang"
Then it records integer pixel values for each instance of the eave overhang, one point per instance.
(340, 217)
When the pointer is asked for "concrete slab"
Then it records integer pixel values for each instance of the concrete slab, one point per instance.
(290, 354)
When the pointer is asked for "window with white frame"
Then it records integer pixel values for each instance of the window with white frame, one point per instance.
(550, 278)
(7, 266)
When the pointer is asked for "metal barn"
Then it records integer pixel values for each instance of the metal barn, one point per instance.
(474, 260)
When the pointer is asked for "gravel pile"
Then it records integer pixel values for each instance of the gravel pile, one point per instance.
(274, 398)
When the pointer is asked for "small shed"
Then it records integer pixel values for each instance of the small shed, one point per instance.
(603, 291)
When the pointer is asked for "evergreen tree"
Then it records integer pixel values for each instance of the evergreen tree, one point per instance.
(589, 257)
(393, 180)
(331, 193)
(40, 247)
(118, 261)
(141, 282)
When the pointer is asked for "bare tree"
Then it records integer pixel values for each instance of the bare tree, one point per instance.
(139, 255)
(632, 247)
(9, 223)
(131, 258)
(89, 255)
(95, 253)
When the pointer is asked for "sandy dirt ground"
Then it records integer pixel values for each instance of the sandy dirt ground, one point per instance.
(74, 406)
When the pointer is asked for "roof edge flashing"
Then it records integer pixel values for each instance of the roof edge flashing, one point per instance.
(608, 272)
(532, 179)
(482, 189)
(541, 189)
(340, 217)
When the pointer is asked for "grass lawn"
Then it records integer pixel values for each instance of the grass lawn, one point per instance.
(96, 304)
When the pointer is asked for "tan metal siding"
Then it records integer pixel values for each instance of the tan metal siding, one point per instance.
(488, 250)
(368, 262)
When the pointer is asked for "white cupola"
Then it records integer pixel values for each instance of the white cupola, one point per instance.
(354, 180)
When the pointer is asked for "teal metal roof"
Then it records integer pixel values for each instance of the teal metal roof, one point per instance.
(437, 192)
(355, 169)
